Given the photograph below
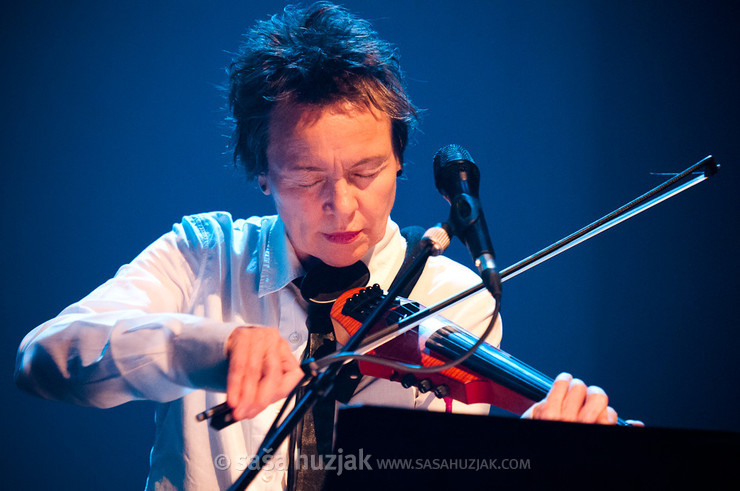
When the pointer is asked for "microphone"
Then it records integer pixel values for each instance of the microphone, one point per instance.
(457, 178)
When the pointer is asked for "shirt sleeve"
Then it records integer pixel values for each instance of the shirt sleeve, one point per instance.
(132, 338)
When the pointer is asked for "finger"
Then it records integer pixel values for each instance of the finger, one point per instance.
(288, 360)
(573, 401)
(255, 354)
(289, 381)
(596, 403)
(234, 384)
(607, 417)
(551, 406)
(267, 386)
(560, 387)
(235, 374)
(292, 371)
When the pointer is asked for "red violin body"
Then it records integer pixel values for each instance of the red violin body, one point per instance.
(420, 346)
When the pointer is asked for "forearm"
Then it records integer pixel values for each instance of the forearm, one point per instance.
(107, 359)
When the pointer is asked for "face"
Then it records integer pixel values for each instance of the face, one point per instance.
(332, 175)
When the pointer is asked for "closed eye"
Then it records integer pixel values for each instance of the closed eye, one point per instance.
(367, 175)
(310, 184)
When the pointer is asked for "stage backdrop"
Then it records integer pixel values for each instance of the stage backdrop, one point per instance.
(112, 130)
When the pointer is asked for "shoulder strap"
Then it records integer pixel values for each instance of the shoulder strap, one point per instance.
(413, 236)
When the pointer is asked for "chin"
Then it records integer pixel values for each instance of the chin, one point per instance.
(341, 262)
(340, 259)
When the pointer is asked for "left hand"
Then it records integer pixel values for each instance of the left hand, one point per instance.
(570, 400)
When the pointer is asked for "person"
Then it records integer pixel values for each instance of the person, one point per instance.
(212, 312)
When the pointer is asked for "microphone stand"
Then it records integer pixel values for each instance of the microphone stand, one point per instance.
(321, 383)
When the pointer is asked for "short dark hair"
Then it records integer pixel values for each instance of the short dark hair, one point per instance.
(317, 55)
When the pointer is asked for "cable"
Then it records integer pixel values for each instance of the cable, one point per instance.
(405, 367)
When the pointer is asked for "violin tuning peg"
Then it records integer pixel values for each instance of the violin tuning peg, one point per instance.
(408, 380)
(425, 385)
(441, 391)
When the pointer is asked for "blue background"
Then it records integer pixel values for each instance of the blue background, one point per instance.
(112, 130)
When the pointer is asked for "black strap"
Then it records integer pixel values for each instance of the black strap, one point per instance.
(413, 236)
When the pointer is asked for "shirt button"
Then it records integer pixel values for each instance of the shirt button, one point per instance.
(294, 337)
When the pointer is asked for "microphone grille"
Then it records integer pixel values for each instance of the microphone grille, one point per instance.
(449, 162)
(451, 153)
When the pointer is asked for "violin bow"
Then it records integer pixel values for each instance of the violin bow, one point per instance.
(699, 172)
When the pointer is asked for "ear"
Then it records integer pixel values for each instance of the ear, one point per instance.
(262, 181)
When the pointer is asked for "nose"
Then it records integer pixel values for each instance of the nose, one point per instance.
(340, 199)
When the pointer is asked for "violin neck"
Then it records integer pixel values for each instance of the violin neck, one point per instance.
(490, 362)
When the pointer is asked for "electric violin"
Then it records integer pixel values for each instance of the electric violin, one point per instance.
(489, 376)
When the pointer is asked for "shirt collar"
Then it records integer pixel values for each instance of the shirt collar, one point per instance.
(280, 264)
(385, 259)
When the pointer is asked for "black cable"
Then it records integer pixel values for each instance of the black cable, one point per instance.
(405, 367)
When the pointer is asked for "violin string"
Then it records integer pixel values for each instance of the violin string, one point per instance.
(378, 338)
(393, 329)
(413, 319)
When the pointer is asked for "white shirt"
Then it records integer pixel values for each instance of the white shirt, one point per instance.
(156, 331)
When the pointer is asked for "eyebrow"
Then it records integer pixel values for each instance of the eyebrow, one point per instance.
(375, 159)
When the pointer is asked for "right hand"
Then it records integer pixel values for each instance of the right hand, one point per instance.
(262, 370)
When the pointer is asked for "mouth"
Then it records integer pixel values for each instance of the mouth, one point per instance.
(342, 237)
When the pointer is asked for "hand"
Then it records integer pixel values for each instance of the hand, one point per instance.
(262, 370)
(570, 400)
